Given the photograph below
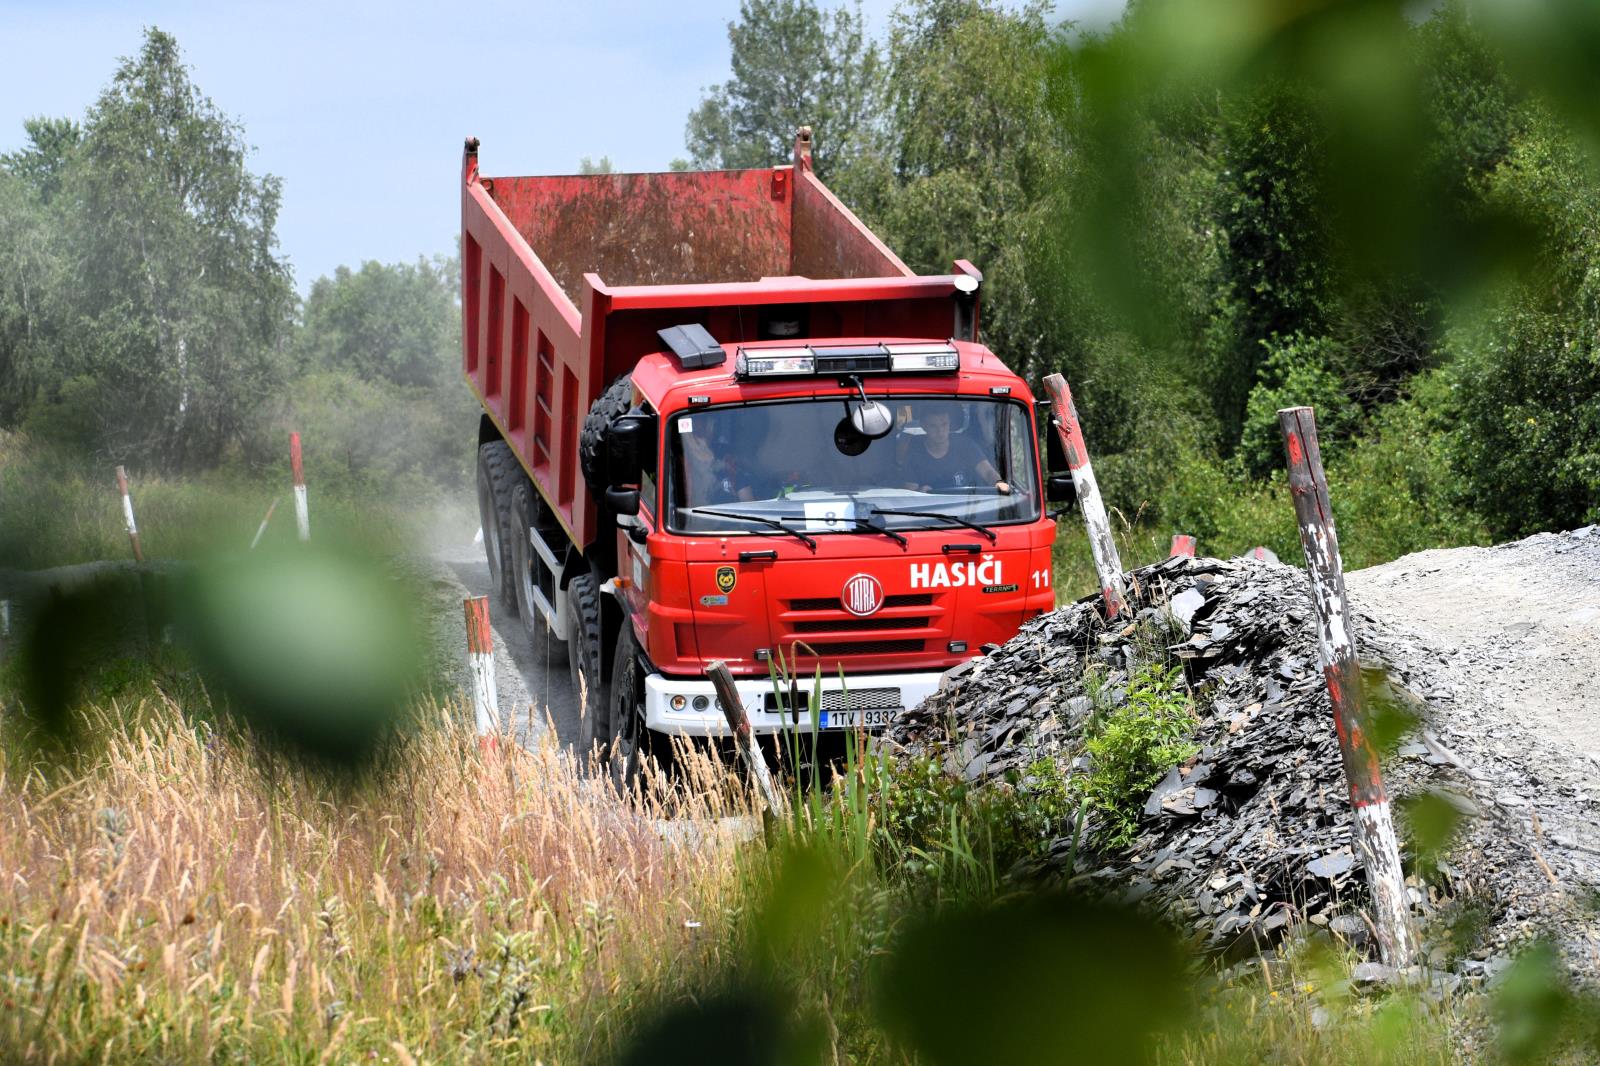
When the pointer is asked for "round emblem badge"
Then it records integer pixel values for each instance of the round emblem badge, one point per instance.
(862, 595)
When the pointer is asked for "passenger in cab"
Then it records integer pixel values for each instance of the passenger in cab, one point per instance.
(939, 460)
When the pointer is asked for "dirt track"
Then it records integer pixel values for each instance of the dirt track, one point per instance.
(1503, 644)
(534, 687)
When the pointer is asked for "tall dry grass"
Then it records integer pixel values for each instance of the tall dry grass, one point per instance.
(185, 896)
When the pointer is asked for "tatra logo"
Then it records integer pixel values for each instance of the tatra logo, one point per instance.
(727, 577)
(955, 575)
(862, 595)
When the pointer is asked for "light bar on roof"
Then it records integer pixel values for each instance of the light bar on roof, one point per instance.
(775, 362)
(924, 357)
(911, 358)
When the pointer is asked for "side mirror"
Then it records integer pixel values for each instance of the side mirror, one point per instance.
(1060, 489)
(630, 448)
(872, 420)
(622, 501)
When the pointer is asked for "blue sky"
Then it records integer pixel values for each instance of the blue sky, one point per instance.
(361, 107)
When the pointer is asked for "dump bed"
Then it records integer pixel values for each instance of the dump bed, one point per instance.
(565, 281)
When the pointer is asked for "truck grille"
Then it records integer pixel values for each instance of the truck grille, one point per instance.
(855, 625)
(832, 603)
(861, 699)
(864, 647)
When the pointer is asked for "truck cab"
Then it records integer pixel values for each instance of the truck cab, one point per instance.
(872, 507)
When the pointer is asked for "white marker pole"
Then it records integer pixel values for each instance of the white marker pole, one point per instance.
(480, 663)
(302, 521)
(127, 515)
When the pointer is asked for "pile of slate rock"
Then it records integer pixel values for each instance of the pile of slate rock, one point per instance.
(1248, 838)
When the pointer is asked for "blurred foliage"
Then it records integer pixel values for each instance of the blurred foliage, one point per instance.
(1216, 209)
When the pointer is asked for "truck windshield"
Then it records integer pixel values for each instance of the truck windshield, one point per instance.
(798, 462)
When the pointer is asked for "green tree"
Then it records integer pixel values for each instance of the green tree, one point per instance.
(397, 322)
(31, 272)
(181, 307)
(1528, 373)
(793, 64)
(976, 156)
(43, 160)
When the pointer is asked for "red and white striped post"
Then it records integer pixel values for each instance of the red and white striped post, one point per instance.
(1380, 851)
(480, 663)
(1101, 543)
(127, 515)
(1182, 546)
(262, 529)
(302, 520)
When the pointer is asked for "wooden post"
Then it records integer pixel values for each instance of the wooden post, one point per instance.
(1064, 416)
(273, 506)
(1374, 823)
(739, 722)
(1182, 545)
(480, 663)
(302, 520)
(127, 515)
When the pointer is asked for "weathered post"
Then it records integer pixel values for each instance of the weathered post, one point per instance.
(1182, 546)
(302, 520)
(273, 506)
(480, 663)
(1101, 543)
(1380, 852)
(127, 515)
(733, 711)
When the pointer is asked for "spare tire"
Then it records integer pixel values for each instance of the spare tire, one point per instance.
(612, 404)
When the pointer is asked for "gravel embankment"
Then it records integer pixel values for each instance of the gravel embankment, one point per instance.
(1252, 836)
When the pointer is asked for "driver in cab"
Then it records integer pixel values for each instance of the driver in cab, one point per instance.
(939, 460)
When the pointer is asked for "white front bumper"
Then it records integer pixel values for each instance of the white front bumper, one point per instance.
(753, 691)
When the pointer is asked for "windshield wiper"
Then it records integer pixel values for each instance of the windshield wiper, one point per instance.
(866, 526)
(985, 530)
(770, 523)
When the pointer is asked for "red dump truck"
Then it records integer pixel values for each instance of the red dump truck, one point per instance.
(722, 421)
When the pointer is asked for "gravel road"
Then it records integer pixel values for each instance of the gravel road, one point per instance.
(532, 677)
(1503, 644)
(1519, 623)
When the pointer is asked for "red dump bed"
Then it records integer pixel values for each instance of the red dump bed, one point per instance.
(565, 281)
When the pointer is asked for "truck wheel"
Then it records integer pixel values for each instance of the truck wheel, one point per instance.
(631, 743)
(583, 658)
(498, 473)
(612, 404)
(524, 505)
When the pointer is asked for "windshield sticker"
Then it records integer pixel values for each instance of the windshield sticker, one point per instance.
(955, 575)
(713, 601)
(727, 578)
(685, 424)
(826, 516)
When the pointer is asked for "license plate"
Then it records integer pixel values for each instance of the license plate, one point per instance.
(869, 719)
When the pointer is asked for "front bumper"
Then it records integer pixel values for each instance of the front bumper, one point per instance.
(753, 691)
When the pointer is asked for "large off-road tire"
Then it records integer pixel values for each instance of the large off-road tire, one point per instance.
(632, 745)
(498, 474)
(524, 508)
(612, 404)
(584, 658)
